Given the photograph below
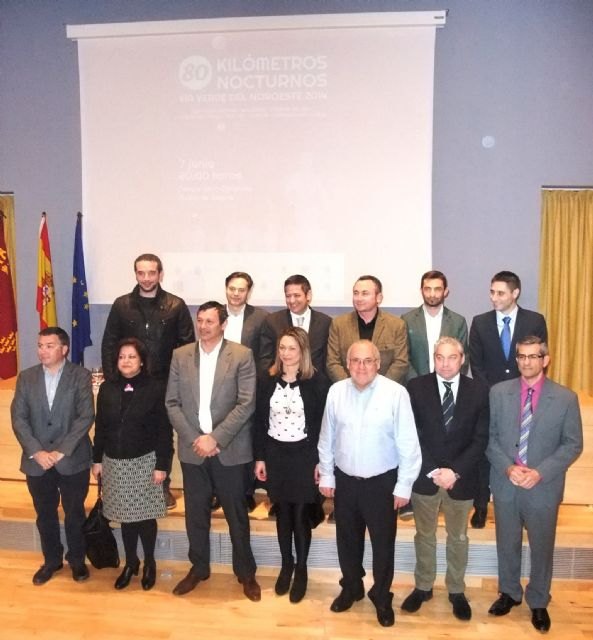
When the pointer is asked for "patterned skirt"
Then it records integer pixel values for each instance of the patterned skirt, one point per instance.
(129, 494)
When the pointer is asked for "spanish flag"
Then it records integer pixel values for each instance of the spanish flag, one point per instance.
(8, 364)
(46, 297)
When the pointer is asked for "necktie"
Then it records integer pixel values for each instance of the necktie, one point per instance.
(505, 337)
(300, 321)
(526, 420)
(448, 405)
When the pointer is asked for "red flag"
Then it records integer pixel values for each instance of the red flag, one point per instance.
(46, 297)
(8, 327)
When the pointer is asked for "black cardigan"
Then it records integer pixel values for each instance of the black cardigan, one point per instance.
(143, 425)
(313, 392)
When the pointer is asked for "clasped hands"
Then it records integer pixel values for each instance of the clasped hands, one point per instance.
(444, 478)
(47, 459)
(205, 446)
(522, 476)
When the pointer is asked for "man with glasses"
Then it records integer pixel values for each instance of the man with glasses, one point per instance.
(535, 435)
(369, 458)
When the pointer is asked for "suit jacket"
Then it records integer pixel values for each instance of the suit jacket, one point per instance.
(462, 447)
(232, 404)
(253, 318)
(389, 336)
(453, 325)
(275, 323)
(486, 356)
(64, 427)
(555, 439)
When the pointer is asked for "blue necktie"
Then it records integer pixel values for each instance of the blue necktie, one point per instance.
(505, 337)
(526, 420)
(448, 406)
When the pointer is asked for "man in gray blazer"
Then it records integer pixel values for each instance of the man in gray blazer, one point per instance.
(535, 435)
(431, 321)
(52, 412)
(210, 400)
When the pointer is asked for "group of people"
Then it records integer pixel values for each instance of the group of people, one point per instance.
(369, 409)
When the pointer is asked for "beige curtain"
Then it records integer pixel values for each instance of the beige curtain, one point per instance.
(566, 285)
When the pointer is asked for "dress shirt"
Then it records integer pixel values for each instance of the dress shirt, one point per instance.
(52, 380)
(366, 433)
(454, 386)
(535, 396)
(433, 332)
(500, 324)
(234, 325)
(306, 319)
(207, 371)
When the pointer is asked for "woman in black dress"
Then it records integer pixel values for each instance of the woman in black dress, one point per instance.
(291, 399)
(132, 450)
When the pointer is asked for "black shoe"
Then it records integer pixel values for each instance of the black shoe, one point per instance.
(44, 573)
(406, 513)
(503, 605)
(251, 503)
(80, 572)
(385, 616)
(189, 583)
(126, 575)
(170, 500)
(461, 608)
(148, 575)
(541, 620)
(478, 519)
(215, 504)
(414, 601)
(284, 578)
(299, 585)
(345, 600)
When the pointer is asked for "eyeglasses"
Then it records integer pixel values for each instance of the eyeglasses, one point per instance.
(532, 357)
(365, 362)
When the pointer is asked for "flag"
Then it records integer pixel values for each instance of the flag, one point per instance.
(8, 364)
(81, 321)
(46, 297)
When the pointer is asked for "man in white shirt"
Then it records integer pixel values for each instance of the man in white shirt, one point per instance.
(369, 458)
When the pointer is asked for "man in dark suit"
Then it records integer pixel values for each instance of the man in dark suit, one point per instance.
(451, 415)
(298, 294)
(535, 435)
(211, 400)
(52, 413)
(429, 322)
(493, 337)
(367, 322)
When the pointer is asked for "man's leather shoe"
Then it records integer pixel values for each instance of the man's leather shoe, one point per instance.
(541, 620)
(414, 601)
(406, 513)
(251, 589)
(170, 500)
(189, 583)
(80, 572)
(385, 616)
(125, 576)
(44, 573)
(345, 600)
(148, 575)
(461, 608)
(503, 605)
(478, 519)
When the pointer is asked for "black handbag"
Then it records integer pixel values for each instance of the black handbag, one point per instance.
(101, 547)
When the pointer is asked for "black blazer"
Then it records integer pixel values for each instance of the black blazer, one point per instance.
(462, 448)
(313, 392)
(486, 356)
(253, 318)
(276, 323)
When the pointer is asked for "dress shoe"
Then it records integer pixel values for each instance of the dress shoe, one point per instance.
(299, 585)
(461, 608)
(251, 589)
(189, 583)
(385, 616)
(406, 513)
(126, 575)
(284, 578)
(44, 573)
(80, 572)
(148, 575)
(215, 504)
(345, 600)
(251, 503)
(170, 500)
(414, 601)
(478, 519)
(541, 620)
(503, 605)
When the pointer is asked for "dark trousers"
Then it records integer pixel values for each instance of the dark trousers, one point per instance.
(361, 504)
(47, 491)
(482, 497)
(200, 482)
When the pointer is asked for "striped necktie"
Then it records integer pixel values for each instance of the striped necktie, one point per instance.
(526, 420)
(505, 336)
(448, 405)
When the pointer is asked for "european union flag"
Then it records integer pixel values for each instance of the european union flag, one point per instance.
(81, 321)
